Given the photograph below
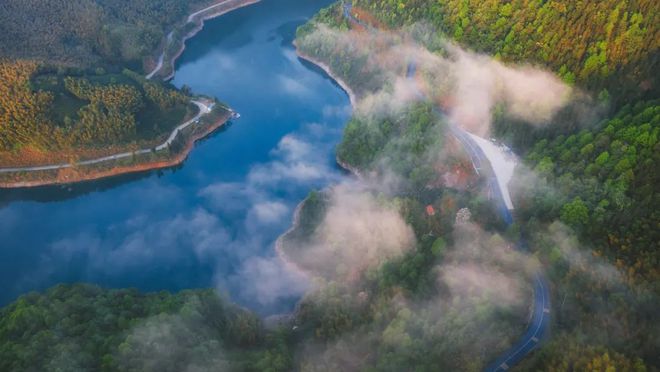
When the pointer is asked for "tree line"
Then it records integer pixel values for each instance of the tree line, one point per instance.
(88, 32)
(91, 109)
(606, 46)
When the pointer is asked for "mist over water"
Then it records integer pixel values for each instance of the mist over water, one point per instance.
(212, 222)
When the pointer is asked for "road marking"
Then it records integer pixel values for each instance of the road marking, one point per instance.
(535, 339)
(504, 366)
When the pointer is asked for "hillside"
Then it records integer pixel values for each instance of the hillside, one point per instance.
(83, 327)
(413, 265)
(588, 207)
(47, 115)
(85, 33)
(610, 45)
(72, 79)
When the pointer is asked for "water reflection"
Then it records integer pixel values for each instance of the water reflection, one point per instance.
(211, 222)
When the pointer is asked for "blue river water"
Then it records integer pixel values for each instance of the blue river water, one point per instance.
(211, 222)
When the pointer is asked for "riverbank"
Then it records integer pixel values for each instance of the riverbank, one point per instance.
(27, 177)
(152, 160)
(295, 224)
(345, 87)
(323, 66)
(279, 249)
(166, 63)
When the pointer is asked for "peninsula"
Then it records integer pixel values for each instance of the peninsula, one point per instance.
(76, 117)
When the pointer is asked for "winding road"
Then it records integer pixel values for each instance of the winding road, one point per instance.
(193, 15)
(203, 110)
(540, 320)
(170, 37)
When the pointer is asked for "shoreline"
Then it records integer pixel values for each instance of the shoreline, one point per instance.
(123, 170)
(344, 86)
(198, 20)
(279, 250)
(295, 223)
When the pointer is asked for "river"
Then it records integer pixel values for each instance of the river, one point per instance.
(211, 222)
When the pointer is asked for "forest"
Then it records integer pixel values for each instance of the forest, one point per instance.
(86, 33)
(83, 327)
(589, 198)
(49, 112)
(605, 181)
(71, 76)
(609, 47)
(587, 208)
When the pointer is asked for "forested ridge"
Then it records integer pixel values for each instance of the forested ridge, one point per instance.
(88, 32)
(84, 327)
(605, 181)
(608, 168)
(608, 46)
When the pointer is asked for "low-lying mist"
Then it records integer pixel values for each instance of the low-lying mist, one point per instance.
(469, 86)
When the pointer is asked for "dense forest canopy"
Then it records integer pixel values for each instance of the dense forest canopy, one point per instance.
(610, 45)
(88, 32)
(45, 111)
(23, 113)
(83, 327)
(606, 180)
(66, 83)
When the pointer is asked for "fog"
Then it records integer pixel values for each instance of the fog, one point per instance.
(468, 85)
(356, 233)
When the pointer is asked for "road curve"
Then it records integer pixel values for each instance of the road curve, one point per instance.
(540, 321)
(203, 110)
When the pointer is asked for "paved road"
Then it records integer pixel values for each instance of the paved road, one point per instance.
(536, 331)
(193, 15)
(170, 36)
(203, 110)
(540, 322)
(161, 58)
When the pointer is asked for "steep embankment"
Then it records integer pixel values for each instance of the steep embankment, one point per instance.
(175, 43)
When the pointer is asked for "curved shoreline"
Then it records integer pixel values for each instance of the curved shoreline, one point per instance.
(198, 21)
(123, 170)
(280, 250)
(149, 165)
(344, 86)
(295, 223)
